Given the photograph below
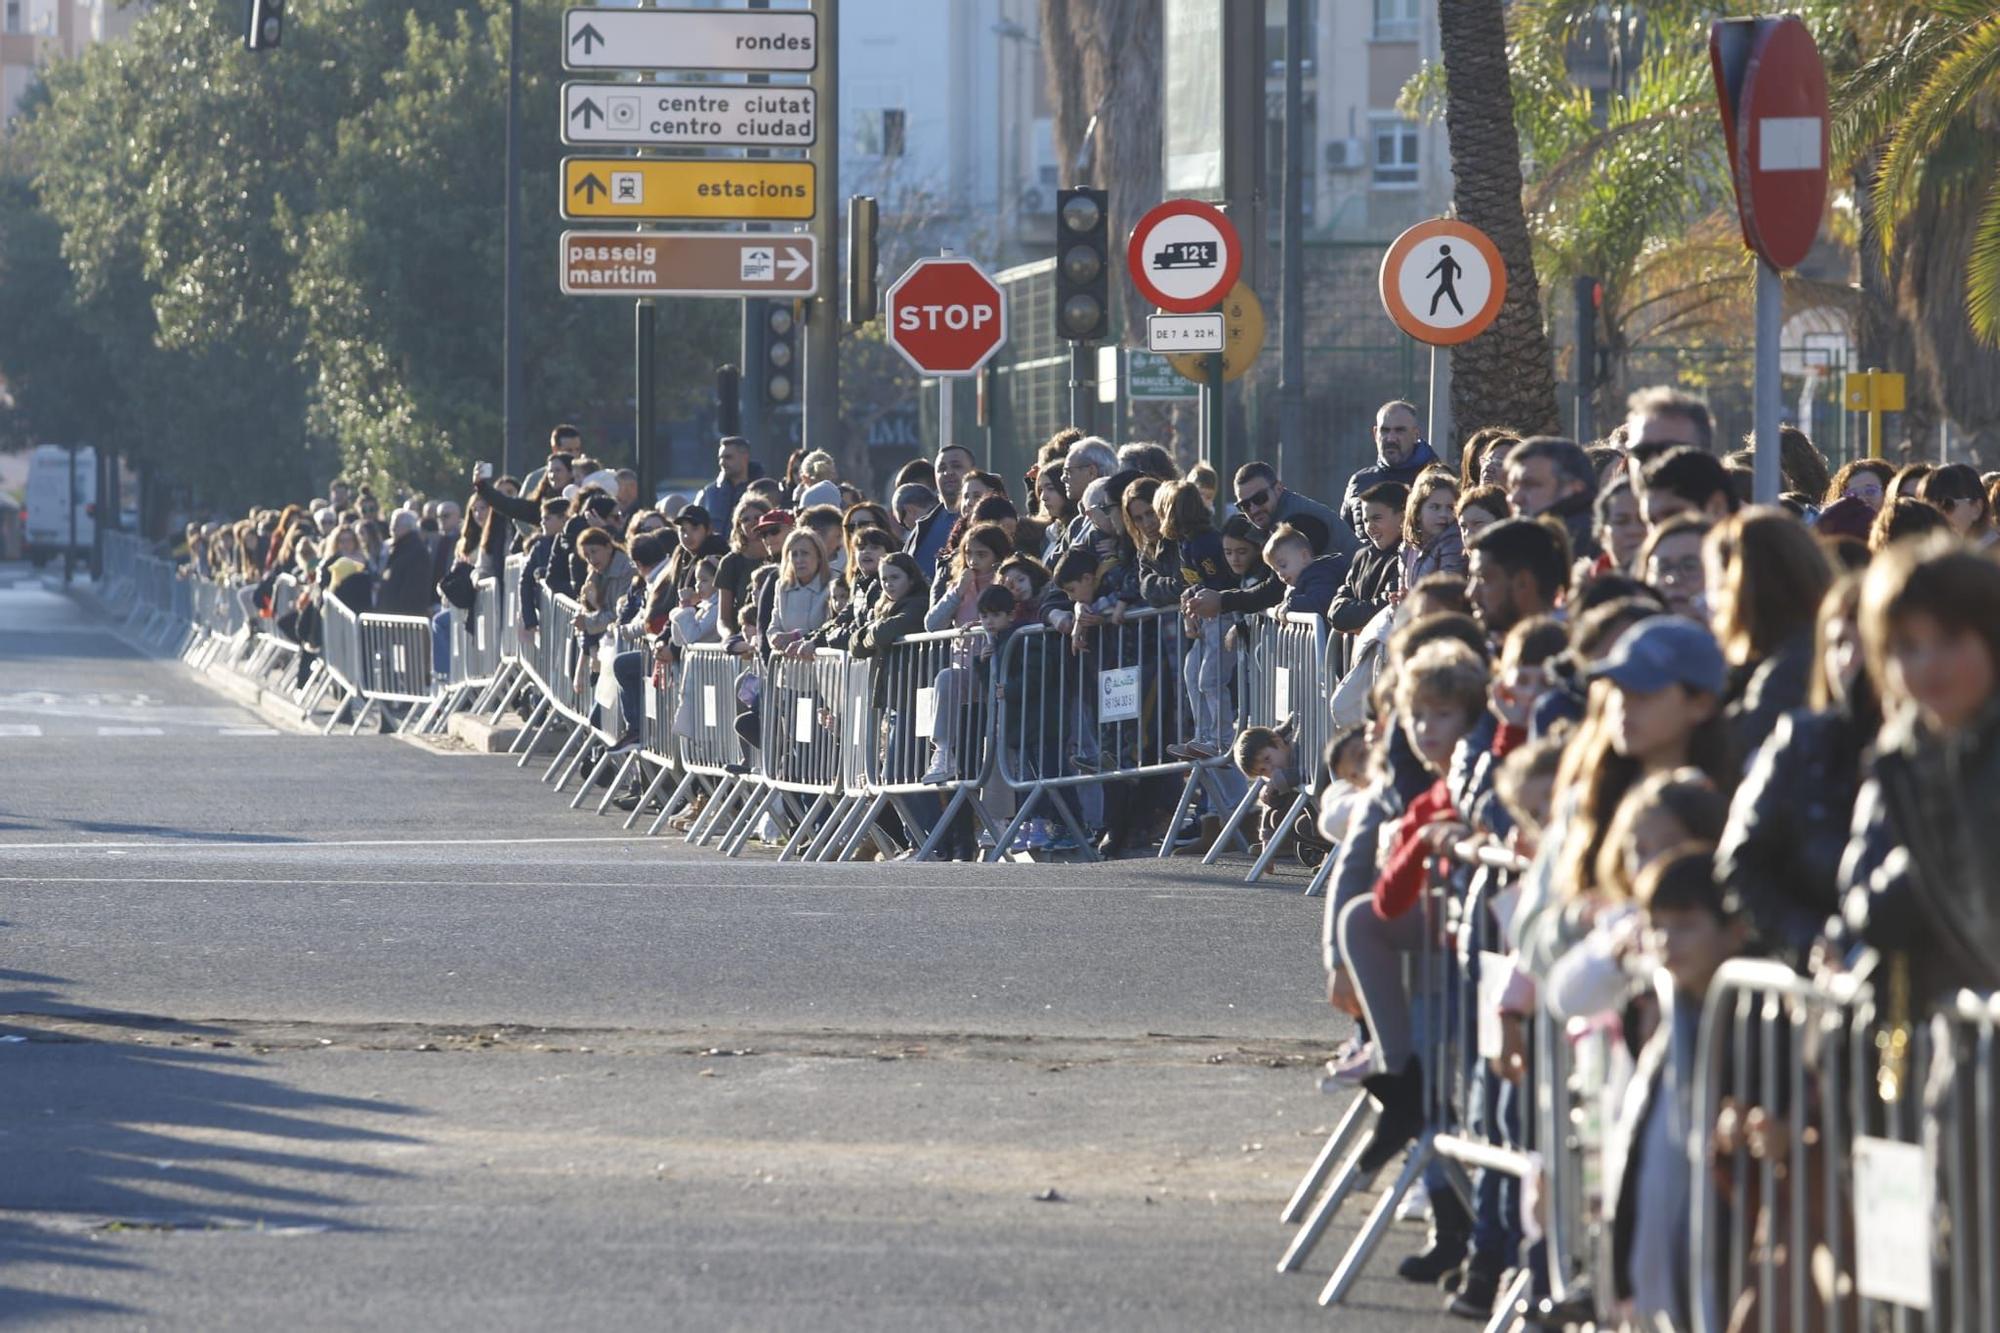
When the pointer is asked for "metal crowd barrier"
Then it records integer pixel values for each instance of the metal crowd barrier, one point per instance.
(342, 661)
(1862, 1187)
(1072, 720)
(711, 751)
(1285, 677)
(397, 665)
(1444, 1012)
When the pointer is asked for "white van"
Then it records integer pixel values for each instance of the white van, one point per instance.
(49, 497)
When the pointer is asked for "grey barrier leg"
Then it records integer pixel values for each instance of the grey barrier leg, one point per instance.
(1074, 823)
(938, 831)
(367, 707)
(1279, 837)
(596, 770)
(1235, 821)
(864, 826)
(1322, 1166)
(573, 742)
(726, 795)
(832, 829)
(530, 734)
(585, 735)
(1504, 1317)
(1329, 1205)
(668, 806)
(805, 825)
(1022, 812)
(1181, 808)
(618, 780)
(1377, 1225)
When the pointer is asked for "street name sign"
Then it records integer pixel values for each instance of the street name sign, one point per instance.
(1185, 333)
(688, 263)
(1443, 282)
(638, 189)
(1184, 256)
(945, 316)
(696, 115)
(760, 41)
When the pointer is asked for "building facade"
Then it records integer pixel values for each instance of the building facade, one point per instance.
(35, 32)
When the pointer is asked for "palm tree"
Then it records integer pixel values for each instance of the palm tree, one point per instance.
(1506, 376)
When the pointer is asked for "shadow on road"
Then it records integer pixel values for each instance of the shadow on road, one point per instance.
(147, 1124)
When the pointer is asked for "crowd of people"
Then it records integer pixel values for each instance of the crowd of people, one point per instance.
(1695, 726)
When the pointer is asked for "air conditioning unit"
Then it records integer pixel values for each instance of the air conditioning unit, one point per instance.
(1346, 154)
(1035, 201)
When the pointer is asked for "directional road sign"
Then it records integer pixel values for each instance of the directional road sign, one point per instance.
(1185, 333)
(1184, 256)
(636, 189)
(689, 114)
(688, 263)
(757, 40)
(1772, 88)
(1443, 282)
(946, 316)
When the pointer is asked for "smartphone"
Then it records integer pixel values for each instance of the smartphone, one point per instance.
(482, 471)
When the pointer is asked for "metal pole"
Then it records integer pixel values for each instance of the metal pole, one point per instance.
(1212, 445)
(1769, 388)
(513, 412)
(822, 336)
(946, 436)
(1291, 235)
(1082, 389)
(69, 547)
(642, 414)
(752, 420)
(1440, 424)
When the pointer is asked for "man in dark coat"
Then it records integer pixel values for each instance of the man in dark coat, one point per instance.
(1400, 454)
(407, 588)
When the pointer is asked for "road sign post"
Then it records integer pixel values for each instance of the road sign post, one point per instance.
(1771, 87)
(1443, 283)
(1874, 392)
(821, 412)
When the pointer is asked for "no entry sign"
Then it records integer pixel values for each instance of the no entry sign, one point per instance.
(946, 316)
(1184, 256)
(1443, 282)
(1772, 89)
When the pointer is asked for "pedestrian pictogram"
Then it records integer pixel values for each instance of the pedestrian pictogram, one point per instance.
(1443, 282)
(946, 316)
(1184, 256)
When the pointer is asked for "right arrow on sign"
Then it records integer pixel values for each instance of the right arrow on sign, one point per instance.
(794, 263)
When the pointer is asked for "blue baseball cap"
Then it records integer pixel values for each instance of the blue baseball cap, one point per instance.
(1665, 650)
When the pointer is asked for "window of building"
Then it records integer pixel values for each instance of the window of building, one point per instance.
(1396, 20)
(13, 23)
(1396, 155)
(882, 132)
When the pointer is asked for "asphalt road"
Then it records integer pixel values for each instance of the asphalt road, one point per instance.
(345, 1032)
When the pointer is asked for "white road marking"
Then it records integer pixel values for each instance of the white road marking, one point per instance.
(1209, 891)
(130, 731)
(248, 731)
(19, 729)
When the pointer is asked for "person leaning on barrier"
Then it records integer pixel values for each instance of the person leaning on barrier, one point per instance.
(794, 605)
(405, 589)
(1440, 699)
(648, 553)
(1921, 875)
(1374, 578)
(1311, 583)
(1694, 929)
(695, 540)
(611, 573)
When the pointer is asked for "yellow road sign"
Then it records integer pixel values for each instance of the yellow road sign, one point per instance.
(643, 189)
(1875, 391)
(1243, 339)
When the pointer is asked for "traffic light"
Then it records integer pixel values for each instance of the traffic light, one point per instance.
(1083, 265)
(1589, 301)
(862, 296)
(265, 24)
(781, 353)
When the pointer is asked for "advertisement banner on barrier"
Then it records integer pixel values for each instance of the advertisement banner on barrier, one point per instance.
(802, 725)
(1118, 694)
(708, 705)
(926, 712)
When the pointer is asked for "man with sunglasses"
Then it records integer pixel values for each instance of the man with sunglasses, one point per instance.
(1266, 502)
(1401, 453)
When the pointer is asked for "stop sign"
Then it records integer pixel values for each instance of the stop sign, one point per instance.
(946, 316)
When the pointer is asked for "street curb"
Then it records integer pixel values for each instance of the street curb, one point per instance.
(483, 736)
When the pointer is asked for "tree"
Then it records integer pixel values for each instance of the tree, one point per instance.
(1506, 375)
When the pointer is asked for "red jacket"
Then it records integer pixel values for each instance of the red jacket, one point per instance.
(1402, 877)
